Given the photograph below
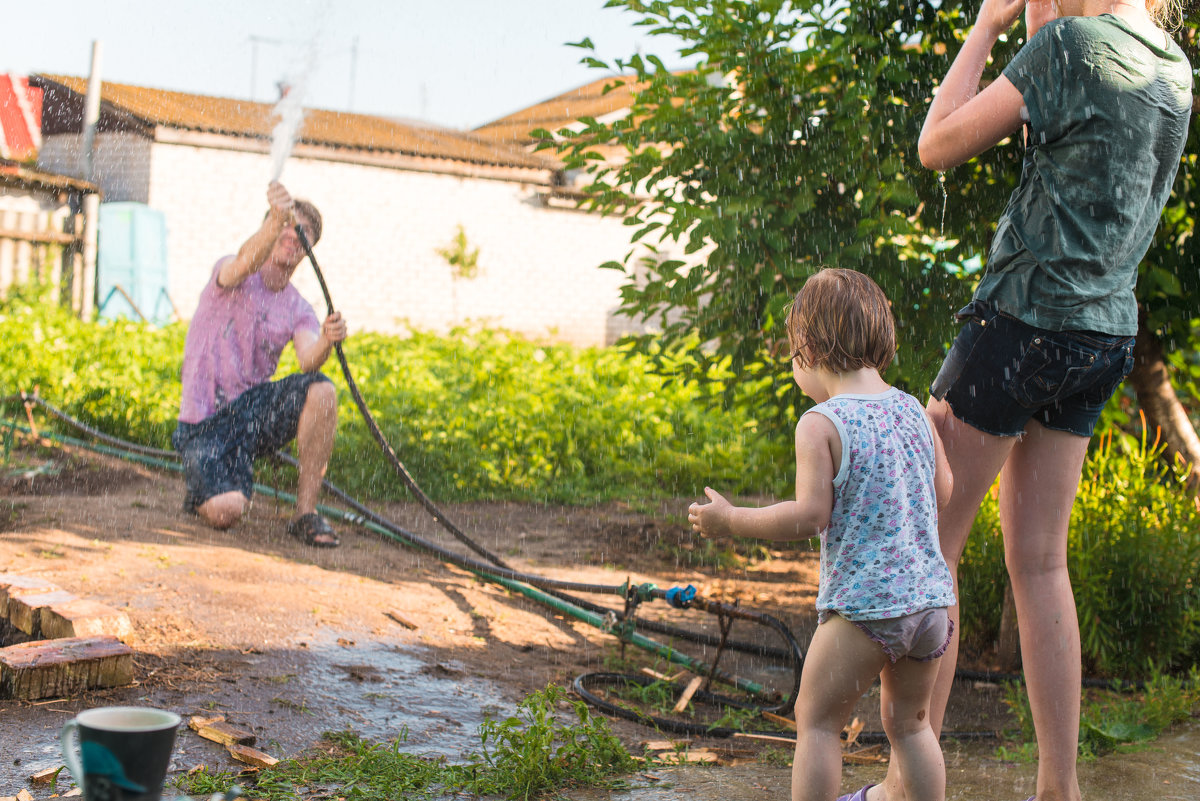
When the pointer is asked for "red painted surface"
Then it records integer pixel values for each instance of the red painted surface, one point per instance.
(20, 118)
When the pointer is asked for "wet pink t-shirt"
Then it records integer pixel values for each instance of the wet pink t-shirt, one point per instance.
(235, 340)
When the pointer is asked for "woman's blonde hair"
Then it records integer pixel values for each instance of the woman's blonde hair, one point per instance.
(1167, 14)
(841, 320)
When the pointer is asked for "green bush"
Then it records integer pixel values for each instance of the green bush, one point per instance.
(475, 415)
(1134, 559)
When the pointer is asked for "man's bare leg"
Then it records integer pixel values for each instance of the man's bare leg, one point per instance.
(314, 444)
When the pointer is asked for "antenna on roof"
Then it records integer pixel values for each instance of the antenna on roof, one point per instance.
(255, 41)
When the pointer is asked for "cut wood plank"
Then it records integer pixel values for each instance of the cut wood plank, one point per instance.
(66, 667)
(12, 584)
(196, 721)
(45, 776)
(654, 674)
(688, 692)
(226, 734)
(401, 619)
(252, 756)
(780, 719)
(665, 745)
(84, 617)
(25, 608)
(871, 755)
(853, 730)
(765, 737)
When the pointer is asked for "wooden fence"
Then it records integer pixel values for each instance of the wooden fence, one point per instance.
(45, 247)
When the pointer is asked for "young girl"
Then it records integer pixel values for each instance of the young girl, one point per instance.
(1105, 97)
(870, 475)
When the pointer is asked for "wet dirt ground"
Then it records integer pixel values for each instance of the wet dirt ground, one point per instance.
(292, 642)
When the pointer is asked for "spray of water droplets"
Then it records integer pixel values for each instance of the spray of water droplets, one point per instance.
(290, 111)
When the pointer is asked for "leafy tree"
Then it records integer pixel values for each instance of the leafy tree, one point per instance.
(1168, 286)
(791, 146)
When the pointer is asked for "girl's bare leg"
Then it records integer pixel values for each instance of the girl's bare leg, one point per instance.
(904, 704)
(841, 664)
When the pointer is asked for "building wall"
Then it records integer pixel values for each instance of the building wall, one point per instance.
(382, 228)
(122, 163)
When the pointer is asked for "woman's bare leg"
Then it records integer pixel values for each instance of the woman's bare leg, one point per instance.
(1037, 490)
(975, 460)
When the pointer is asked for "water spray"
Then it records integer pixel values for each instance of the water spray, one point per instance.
(290, 110)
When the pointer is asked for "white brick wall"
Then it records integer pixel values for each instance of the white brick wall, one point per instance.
(382, 228)
(122, 163)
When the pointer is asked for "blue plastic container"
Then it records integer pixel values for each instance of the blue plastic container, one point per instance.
(131, 264)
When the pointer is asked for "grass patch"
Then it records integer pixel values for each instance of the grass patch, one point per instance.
(521, 757)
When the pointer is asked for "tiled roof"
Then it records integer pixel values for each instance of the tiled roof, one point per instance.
(557, 112)
(374, 135)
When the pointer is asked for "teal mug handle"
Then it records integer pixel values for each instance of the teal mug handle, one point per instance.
(70, 751)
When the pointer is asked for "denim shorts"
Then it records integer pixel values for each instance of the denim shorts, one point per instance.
(921, 636)
(219, 452)
(1001, 373)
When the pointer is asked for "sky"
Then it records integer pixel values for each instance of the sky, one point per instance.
(458, 63)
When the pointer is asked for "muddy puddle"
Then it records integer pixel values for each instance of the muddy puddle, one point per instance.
(288, 698)
(1166, 770)
(383, 693)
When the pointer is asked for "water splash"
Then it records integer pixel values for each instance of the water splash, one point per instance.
(290, 109)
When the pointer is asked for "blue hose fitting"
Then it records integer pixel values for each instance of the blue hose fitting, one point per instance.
(681, 597)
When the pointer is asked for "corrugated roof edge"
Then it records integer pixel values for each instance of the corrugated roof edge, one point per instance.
(342, 130)
(15, 170)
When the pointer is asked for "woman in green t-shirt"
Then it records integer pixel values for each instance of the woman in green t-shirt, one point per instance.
(1104, 97)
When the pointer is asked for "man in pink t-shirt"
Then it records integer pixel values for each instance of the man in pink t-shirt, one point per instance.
(231, 412)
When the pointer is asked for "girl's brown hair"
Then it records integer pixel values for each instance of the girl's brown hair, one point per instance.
(840, 320)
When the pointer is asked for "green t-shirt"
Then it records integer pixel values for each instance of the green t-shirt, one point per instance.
(1108, 115)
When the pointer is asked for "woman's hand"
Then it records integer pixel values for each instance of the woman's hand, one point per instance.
(997, 16)
(1037, 14)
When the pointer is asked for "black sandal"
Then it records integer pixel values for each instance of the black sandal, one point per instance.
(308, 528)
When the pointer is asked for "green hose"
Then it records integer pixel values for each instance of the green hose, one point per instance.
(622, 632)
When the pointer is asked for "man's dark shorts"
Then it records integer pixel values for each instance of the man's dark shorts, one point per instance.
(1001, 373)
(219, 452)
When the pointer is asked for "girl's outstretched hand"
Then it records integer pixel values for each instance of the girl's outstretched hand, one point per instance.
(711, 519)
(997, 16)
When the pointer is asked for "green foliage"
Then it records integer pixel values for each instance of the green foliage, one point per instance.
(1134, 560)
(533, 752)
(462, 258)
(121, 377)
(1167, 281)
(789, 147)
(522, 757)
(475, 415)
(1111, 720)
(482, 414)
